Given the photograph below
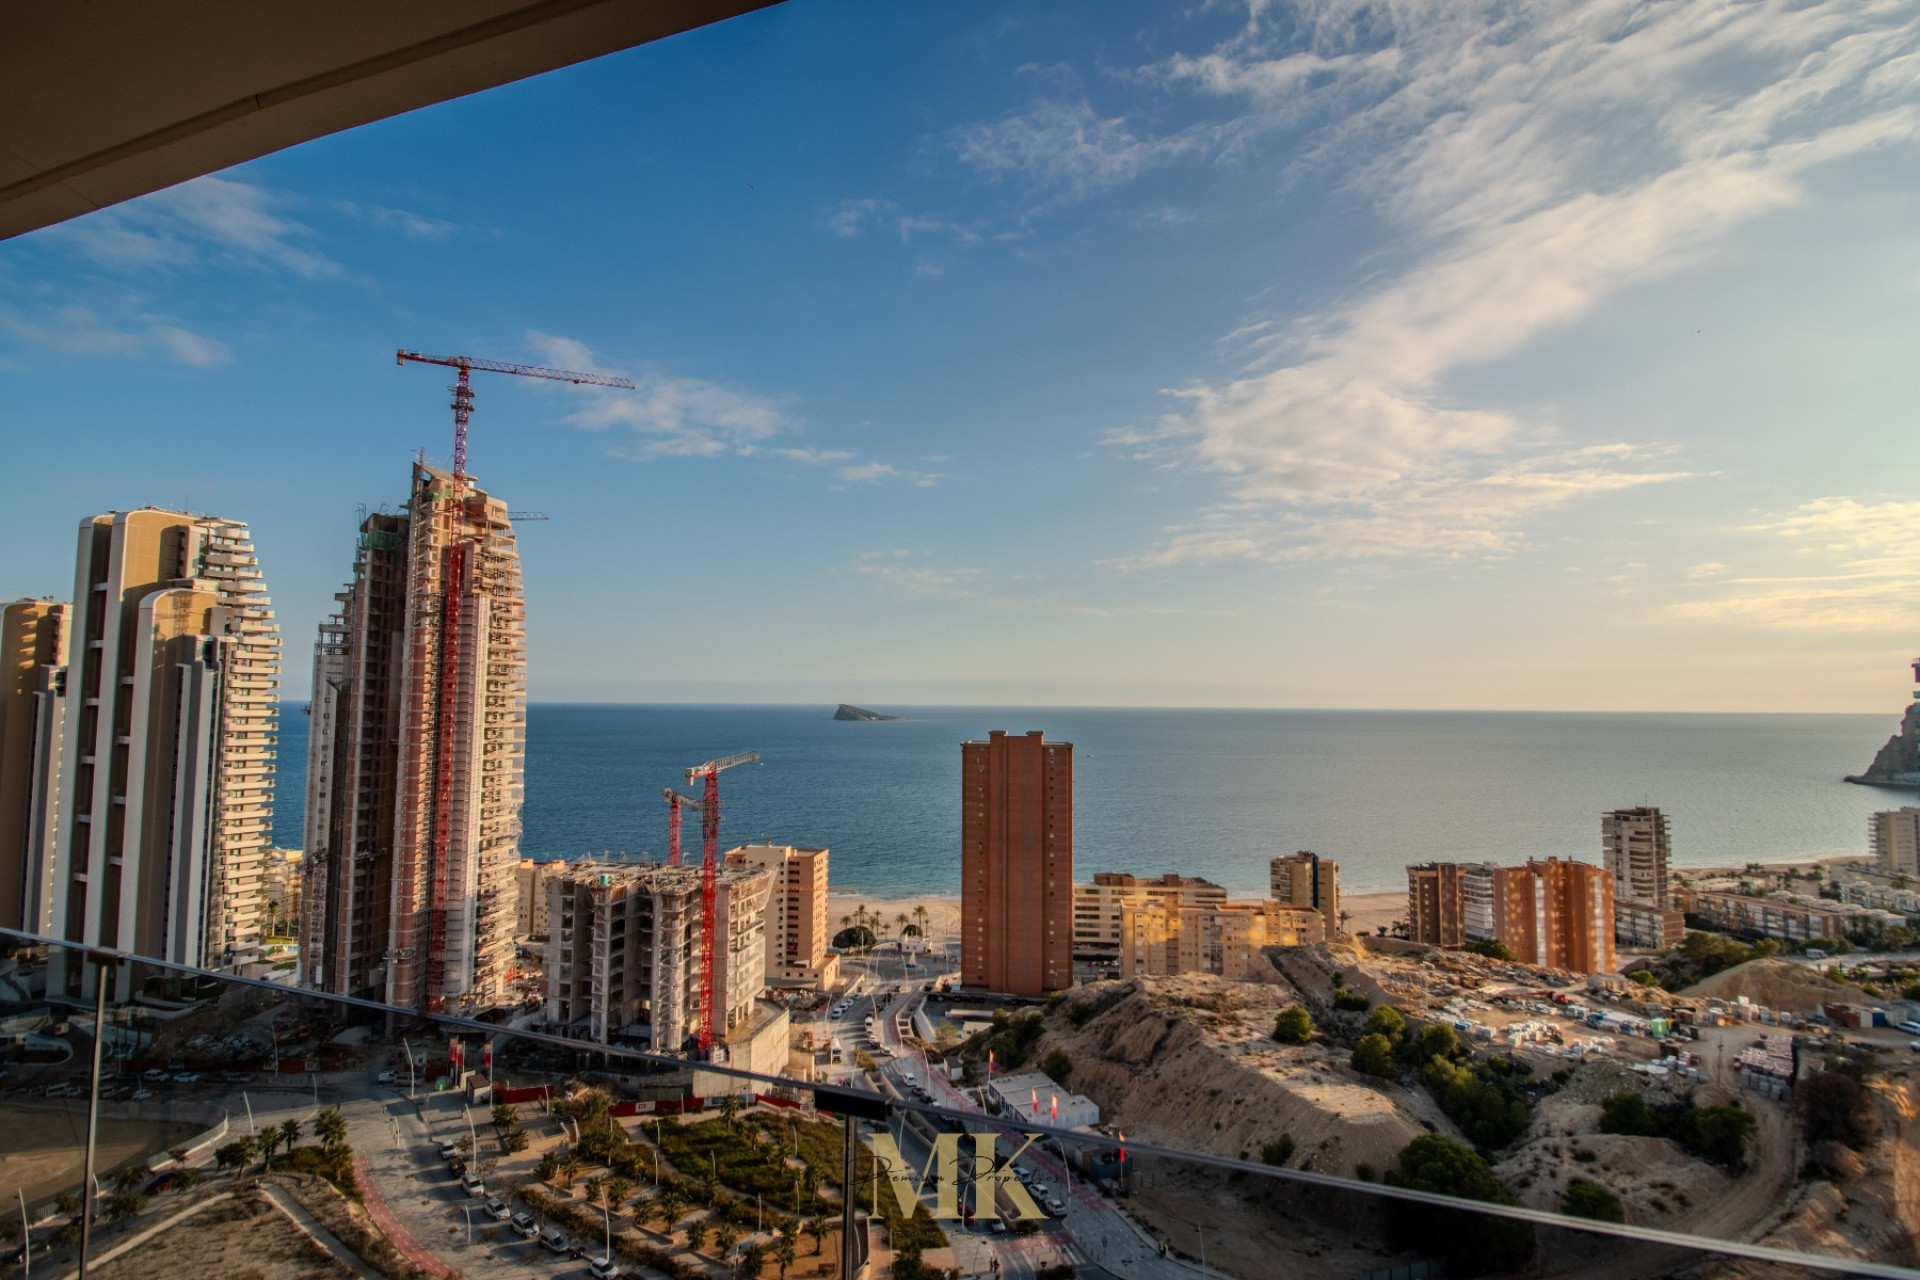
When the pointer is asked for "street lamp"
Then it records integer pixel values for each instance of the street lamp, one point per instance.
(468, 1210)
(409, 1051)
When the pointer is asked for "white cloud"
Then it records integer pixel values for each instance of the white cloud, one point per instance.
(903, 572)
(852, 219)
(80, 331)
(1857, 569)
(1065, 144)
(221, 218)
(1540, 161)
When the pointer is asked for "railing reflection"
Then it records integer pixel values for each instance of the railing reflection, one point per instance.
(174, 1118)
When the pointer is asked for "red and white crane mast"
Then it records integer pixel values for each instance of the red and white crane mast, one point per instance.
(710, 877)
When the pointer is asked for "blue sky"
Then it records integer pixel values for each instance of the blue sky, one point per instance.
(1453, 355)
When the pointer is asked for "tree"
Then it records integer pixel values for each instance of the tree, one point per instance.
(505, 1115)
(1471, 1244)
(549, 1167)
(331, 1128)
(67, 1203)
(570, 1167)
(671, 1205)
(1277, 1152)
(1057, 1065)
(920, 914)
(853, 938)
(1584, 1198)
(249, 1150)
(1373, 1056)
(1719, 1134)
(1492, 948)
(697, 1234)
(725, 1237)
(1436, 1040)
(1627, 1112)
(817, 1228)
(730, 1109)
(1833, 1106)
(752, 1258)
(270, 1142)
(1386, 1021)
(514, 1140)
(1293, 1026)
(132, 1178)
(289, 1133)
(783, 1251)
(229, 1155)
(124, 1204)
(618, 1189)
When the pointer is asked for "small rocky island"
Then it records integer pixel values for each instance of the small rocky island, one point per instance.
(859, 713)
(1898, 763)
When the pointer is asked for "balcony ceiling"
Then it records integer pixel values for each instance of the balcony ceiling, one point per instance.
(105, 100)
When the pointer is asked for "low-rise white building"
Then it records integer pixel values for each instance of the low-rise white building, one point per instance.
(1035, 1096)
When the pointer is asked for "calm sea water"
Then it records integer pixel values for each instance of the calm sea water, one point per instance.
(1212, 793)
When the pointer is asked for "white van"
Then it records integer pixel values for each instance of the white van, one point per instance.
(554, 1240)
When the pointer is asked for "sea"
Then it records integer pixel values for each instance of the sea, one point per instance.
(1201, 792)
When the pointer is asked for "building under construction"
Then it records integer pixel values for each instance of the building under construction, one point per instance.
(416, 755)
(624, 952)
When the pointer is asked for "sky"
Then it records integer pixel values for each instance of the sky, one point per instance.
(1452, 355)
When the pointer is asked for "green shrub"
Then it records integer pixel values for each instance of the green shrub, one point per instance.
(1293, 1026)
(1386, 1021)
(1472, 1244)
(1057, 1065)
(1277, 1152)
(1351, 1001)
(1483, 1098)
(1373, 1056)
(1584, 1198)
(1492, 948)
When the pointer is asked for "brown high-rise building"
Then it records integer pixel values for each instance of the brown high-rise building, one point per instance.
(1552, 913)
(1436, 913)
(33, 656)
(1016, 864)
(414, 762)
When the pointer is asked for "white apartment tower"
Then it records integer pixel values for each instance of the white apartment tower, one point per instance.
(415, 766)
(33, 679)
(167, 753)
(1636, 848)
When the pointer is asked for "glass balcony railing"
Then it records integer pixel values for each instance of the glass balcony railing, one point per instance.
(167, 1118)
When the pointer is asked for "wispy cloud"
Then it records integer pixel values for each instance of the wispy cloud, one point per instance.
(852, 219)
(909, 574)
(681, 417)
(1857, 569)
(212, 218)
(80, 331)
(1063, 144)
(1540, 161)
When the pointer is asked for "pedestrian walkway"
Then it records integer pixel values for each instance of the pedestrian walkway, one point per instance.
(285, 1203)
(382, 1216)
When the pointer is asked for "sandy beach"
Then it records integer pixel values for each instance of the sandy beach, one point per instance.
(942, 920)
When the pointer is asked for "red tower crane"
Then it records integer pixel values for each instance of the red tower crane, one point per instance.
(450, 628)
(710, 876)
(675, 803)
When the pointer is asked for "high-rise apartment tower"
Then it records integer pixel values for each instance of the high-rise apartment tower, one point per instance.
(1310, 882)
(1894, 837)
(414, 775)
(1635, 848)
(1016, 864)
(33, 657)
(166, 774)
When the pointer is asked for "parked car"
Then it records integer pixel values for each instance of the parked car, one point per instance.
(471, 1184)
(154, 1075)
(385, 1077)
(554, 1240)
(497, 1209)
(141, 1095)
(187, 1077)
(603, 1268)
(1058, 1208)
(1911, 1028)
(448, 1150)
(523, 1224)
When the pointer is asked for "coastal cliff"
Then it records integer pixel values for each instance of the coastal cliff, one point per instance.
(847, 712)
(1897, 764)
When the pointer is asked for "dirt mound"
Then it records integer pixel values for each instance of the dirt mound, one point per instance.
(1774, 984)
(1188, 1062)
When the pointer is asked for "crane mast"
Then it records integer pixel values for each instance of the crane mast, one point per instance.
(676, 802)
(710, 877)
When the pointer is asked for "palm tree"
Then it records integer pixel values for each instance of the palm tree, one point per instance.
(570, 1166)
(331, 1128)
(618, 1189)
(671, 1205)
(514, 1140)
(697, 1234)
(724, 1237)
(549, 1167)
(592, 1189)
(249, 1151)
(289, 1133)
(270, 1142)
(750, 1262)
(273, 917)
(730, 1109)
(920, 914)
(817, 1228)
(784, 1252)
(132, 1177)
(505, 1115)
